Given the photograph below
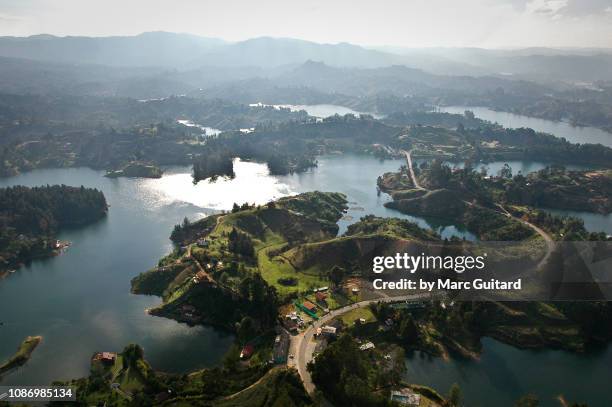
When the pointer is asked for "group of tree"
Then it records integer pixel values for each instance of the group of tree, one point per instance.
(240, 243)
(348, 376)
(31, 217)
(213, 164)
(261, 299)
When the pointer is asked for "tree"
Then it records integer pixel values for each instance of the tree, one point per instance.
(336, 275)
(246, 329)
(454, 395)
(132, 354)
(505, 171)
(408, 329)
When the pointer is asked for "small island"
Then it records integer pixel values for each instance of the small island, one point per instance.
(136, 169)
(22, 356)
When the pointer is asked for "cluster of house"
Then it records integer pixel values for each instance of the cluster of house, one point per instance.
(293, 321)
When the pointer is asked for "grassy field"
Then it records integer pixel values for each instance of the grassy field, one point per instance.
(350, 317)
(278, 268)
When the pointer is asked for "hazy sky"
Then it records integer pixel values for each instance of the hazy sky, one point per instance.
(411, 23)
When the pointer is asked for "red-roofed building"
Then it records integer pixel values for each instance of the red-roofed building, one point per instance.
(310, 306)
(247, 351)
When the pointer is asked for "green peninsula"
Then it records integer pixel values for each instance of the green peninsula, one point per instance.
(30, 219)
(22, 356)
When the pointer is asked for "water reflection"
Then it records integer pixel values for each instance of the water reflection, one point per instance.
(560, 129)
(252, 184)
(504, 374)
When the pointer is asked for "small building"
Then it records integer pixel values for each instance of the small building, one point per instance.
(281, 348)
(321, 289)
(247, 351)
(367, 346)
(202, 243)
(329, 330)
(406, 397)
(291, 325)
(309, 306)
(200, 276)
(107, 358)
(320, 296)
(360, 321)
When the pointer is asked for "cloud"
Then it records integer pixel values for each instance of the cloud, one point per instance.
(546, 7)
(581, 8)
(563, 8)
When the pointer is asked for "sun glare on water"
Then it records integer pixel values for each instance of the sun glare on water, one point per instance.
(253, 183)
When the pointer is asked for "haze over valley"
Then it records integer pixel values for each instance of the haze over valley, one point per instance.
(193, 195)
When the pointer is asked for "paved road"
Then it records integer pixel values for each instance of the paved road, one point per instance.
(409, 160)
(304, 346)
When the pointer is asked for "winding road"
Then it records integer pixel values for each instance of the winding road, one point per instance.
(550, 243)
(304, 345)
(414, 178)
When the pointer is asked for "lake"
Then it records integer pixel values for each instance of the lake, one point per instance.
(571, 133)
(355, 176)
(80, 301)
(593, 222)
(207, 131)
(321, 110)
(504, 374)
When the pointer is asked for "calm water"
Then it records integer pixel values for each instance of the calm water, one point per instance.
(593, 222)
(322, 111)
(355, 176)
(208, 131)
(504, 374)
(80, 301)
(559, 129)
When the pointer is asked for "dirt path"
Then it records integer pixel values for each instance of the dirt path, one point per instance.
(414, 179)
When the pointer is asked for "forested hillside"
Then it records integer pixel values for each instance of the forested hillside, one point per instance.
(31, 217)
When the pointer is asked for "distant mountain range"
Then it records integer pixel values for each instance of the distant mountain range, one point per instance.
(187, 52)
(147, 49)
